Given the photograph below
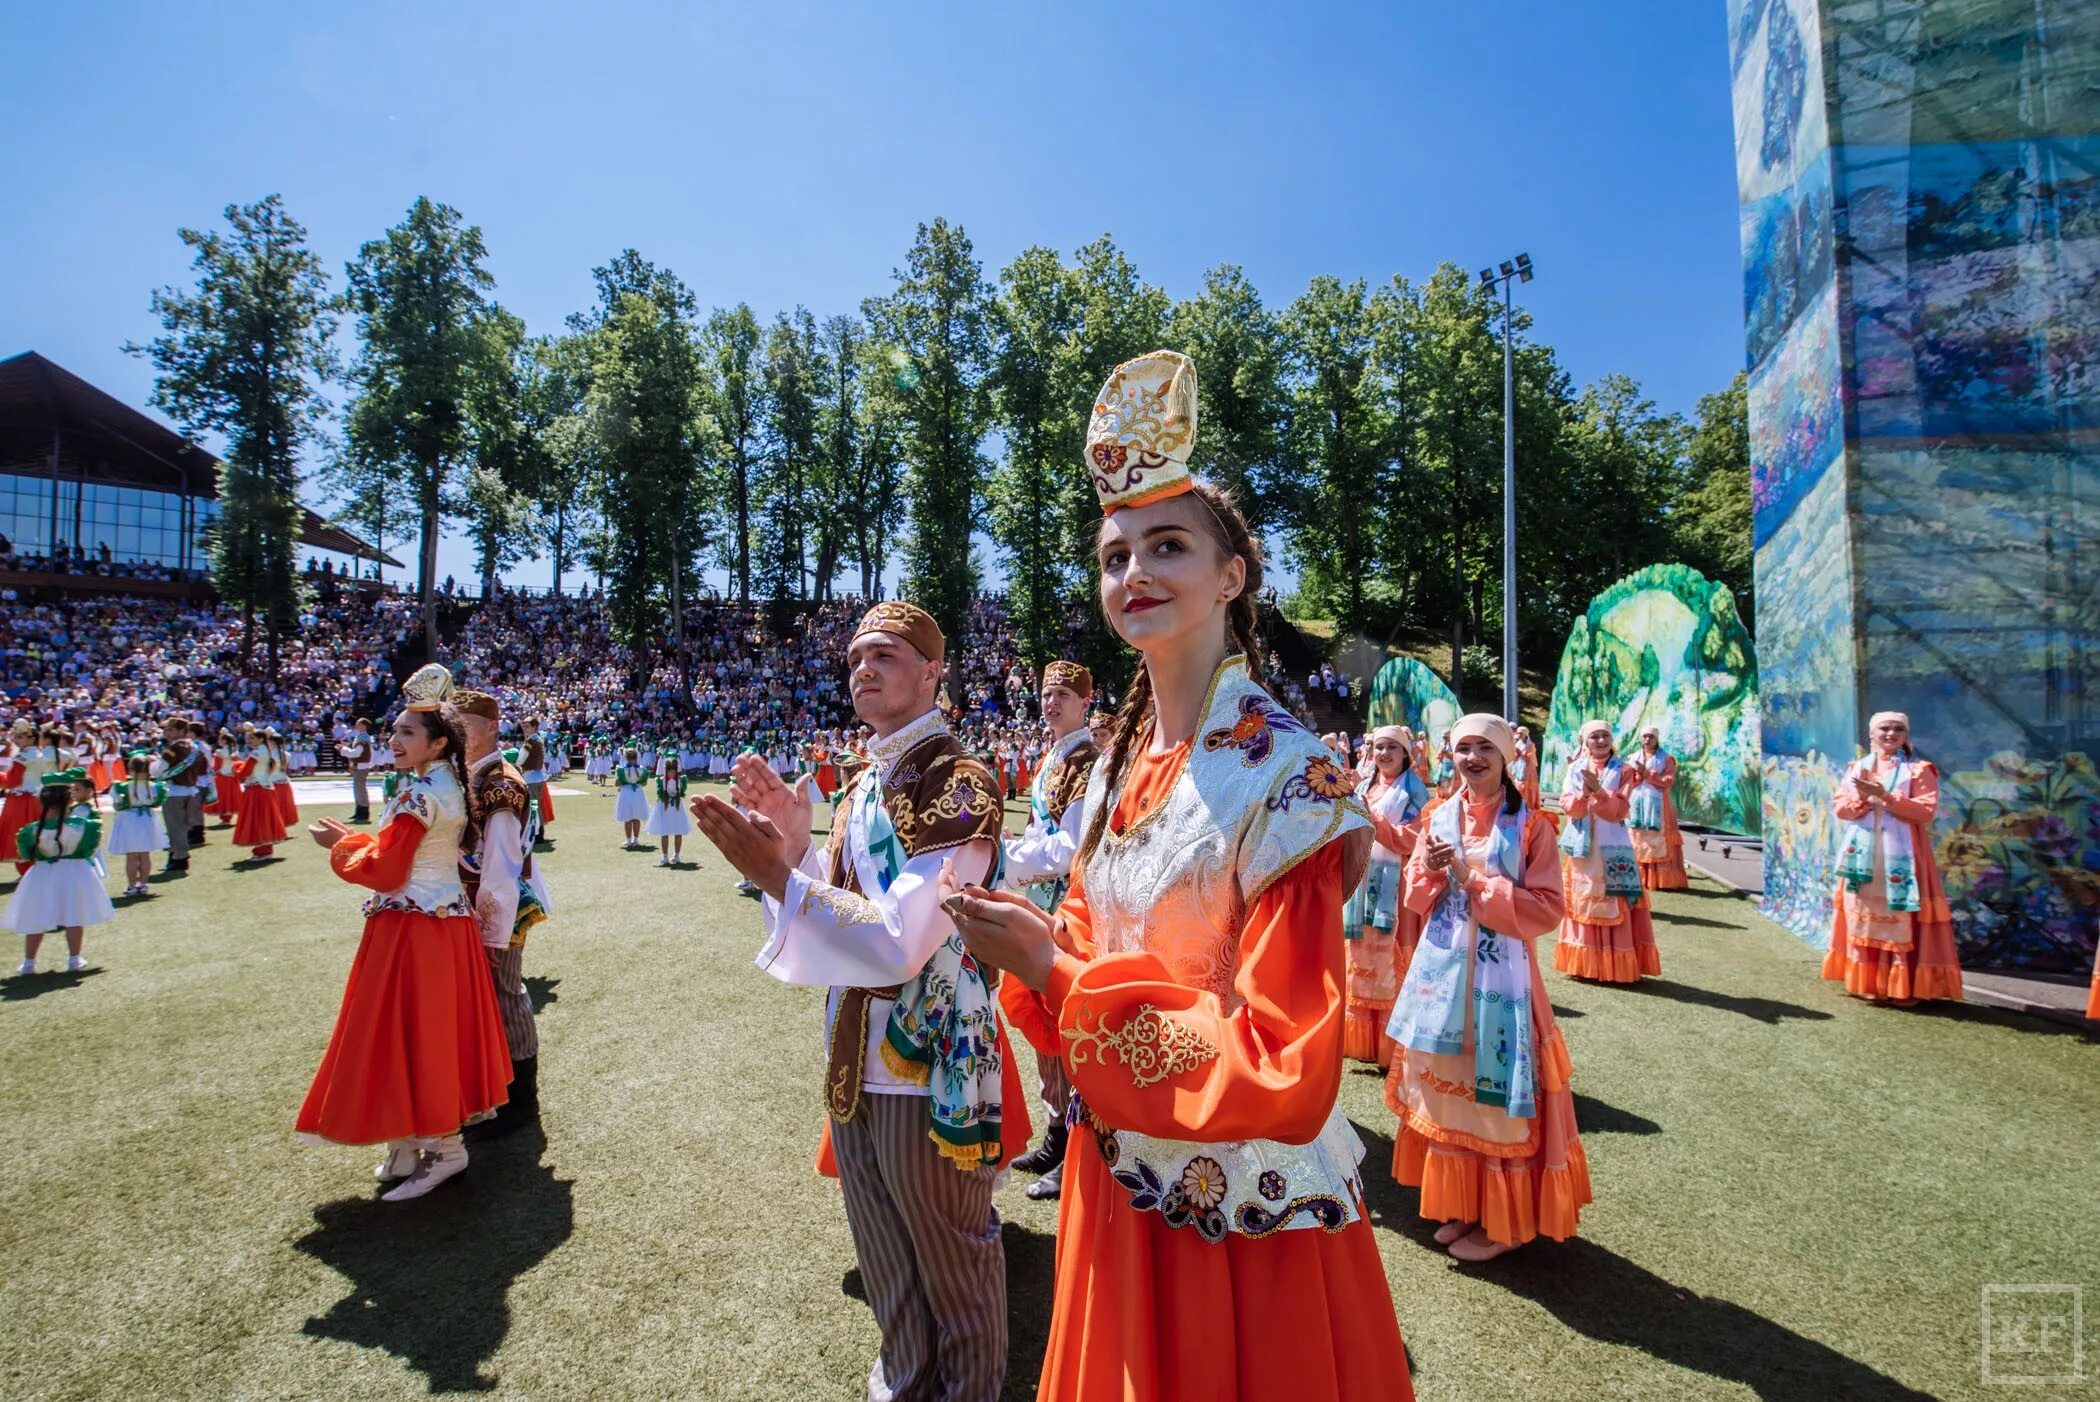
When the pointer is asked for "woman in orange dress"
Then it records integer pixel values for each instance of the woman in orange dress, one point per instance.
(418, 1049)
(1651, 815)
(1378, 930)
(1480, 1083)
(281, 779)
(225, 785)
(1212, 1241)
(1608, 932)
(1891, 934)
(260, 826)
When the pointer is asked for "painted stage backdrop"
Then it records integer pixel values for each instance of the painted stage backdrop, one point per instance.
(1407, 693)
(1920, 187)
(1665, 647)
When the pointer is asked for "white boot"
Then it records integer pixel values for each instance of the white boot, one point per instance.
(400, 1161)
(28, 967)
(448, 1157)
(75, 963)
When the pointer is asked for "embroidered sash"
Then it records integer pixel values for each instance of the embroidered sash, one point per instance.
(943, 1029)
(1644, 806)
(1889, 837)
(1600, 851)
(1460, 967)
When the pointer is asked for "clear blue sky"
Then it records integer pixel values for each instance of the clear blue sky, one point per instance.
(783, 153)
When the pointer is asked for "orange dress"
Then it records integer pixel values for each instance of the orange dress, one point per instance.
(1921, 964)
(1518, 1178)
(261, 823)
(1376, 961)
(2092, 999)
(1146, 1310)
(1661, 854)
(17, 810)
(1607, 938)
(418, 1047)
(287, 803)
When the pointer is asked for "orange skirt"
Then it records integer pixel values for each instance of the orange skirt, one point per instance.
(1376, 967)
(261, 821)
(21, 810)
(546, 805)
(1619, 953)
(1146, 1310)
(1929, 969)
(2092, 999)
(418, 1046)
(287, 805)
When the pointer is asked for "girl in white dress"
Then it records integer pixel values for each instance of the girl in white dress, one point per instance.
(63, 887)
(138, 831)
(631, 809)
(668, 820)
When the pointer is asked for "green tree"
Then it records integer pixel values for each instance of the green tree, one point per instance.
(1711, 519)
(501, 452)
(655, 444)
(1338, 438)
(1037, 408)
(418, 294)
(242, 355)
(794, 377)
(732, 345)
(834, 482)
(936, 316)
(1239, 355)
(880, 428)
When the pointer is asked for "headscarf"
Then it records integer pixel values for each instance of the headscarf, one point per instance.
(1486, 725)
(1582, 736)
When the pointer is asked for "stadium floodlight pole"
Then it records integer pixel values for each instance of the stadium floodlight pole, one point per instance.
(1508, 274)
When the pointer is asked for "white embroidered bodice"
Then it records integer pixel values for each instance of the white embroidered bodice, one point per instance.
(433, 885)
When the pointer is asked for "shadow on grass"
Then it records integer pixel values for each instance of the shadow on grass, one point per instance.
(1593, 1116)
(23, 987)
(2011, 1019)
(541, 991)
(1029, 1258)
(1565, 1013)
(1770, 1011)
(430, 1279)
(1603, 1296)
(1696, 922)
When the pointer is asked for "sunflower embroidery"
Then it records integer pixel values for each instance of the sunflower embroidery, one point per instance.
(1203, 1183)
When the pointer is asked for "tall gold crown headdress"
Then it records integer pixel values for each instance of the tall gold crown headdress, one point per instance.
(428, 688)
(1142, 430)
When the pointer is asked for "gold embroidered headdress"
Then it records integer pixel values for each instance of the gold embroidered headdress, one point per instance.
(1072, 675)
(1142, 430)
(427, 689)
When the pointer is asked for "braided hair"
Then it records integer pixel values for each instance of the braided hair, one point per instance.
(1227, 528)
(443, 724)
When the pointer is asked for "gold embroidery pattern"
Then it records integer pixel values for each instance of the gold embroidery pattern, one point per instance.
(1151, 1046)
(961, 797)
(844, 906)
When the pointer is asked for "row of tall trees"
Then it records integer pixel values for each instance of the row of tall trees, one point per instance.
(1359, 424)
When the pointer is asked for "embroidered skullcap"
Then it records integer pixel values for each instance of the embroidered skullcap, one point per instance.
(1583, 735)
(1142, 430)
(1486, 725)
(907, 621)
(475, 703)
(428, 689)
(1898, 717)
(1072, 675)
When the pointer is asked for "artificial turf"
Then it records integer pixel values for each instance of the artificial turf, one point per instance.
(1798, 1195)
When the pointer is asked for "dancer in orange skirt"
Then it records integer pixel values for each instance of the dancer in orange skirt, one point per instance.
(1891, 935)
(1608, 933)
(1213, 1242)
(1378, 931)
(2092, 998)
(1651, 815)
(22, 769)
(1480, 1083)
(260, 826)
(418, 1049)
(225, 786)
(281, 779)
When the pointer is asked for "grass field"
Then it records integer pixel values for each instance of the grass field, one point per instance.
(1798, 1195)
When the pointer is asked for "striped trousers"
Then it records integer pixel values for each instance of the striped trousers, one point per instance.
(507, 971)
(1056, 1085)
(927, 1239)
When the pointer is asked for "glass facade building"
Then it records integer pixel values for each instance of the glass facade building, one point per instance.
(134, 523)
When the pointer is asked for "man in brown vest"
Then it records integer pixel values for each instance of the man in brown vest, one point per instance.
(497, 872)
(865, 920)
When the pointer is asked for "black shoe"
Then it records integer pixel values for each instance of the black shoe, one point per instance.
(1049, 1185)
(1046, 1155)
(522, 1109)
(362, 815)
(176, 868)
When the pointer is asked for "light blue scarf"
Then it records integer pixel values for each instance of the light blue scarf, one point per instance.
(1461, 966)
(1855, 863)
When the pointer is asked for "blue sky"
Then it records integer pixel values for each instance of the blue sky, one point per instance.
(783, 153)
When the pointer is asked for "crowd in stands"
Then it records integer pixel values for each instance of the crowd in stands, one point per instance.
(761, 678)
(100, 561)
